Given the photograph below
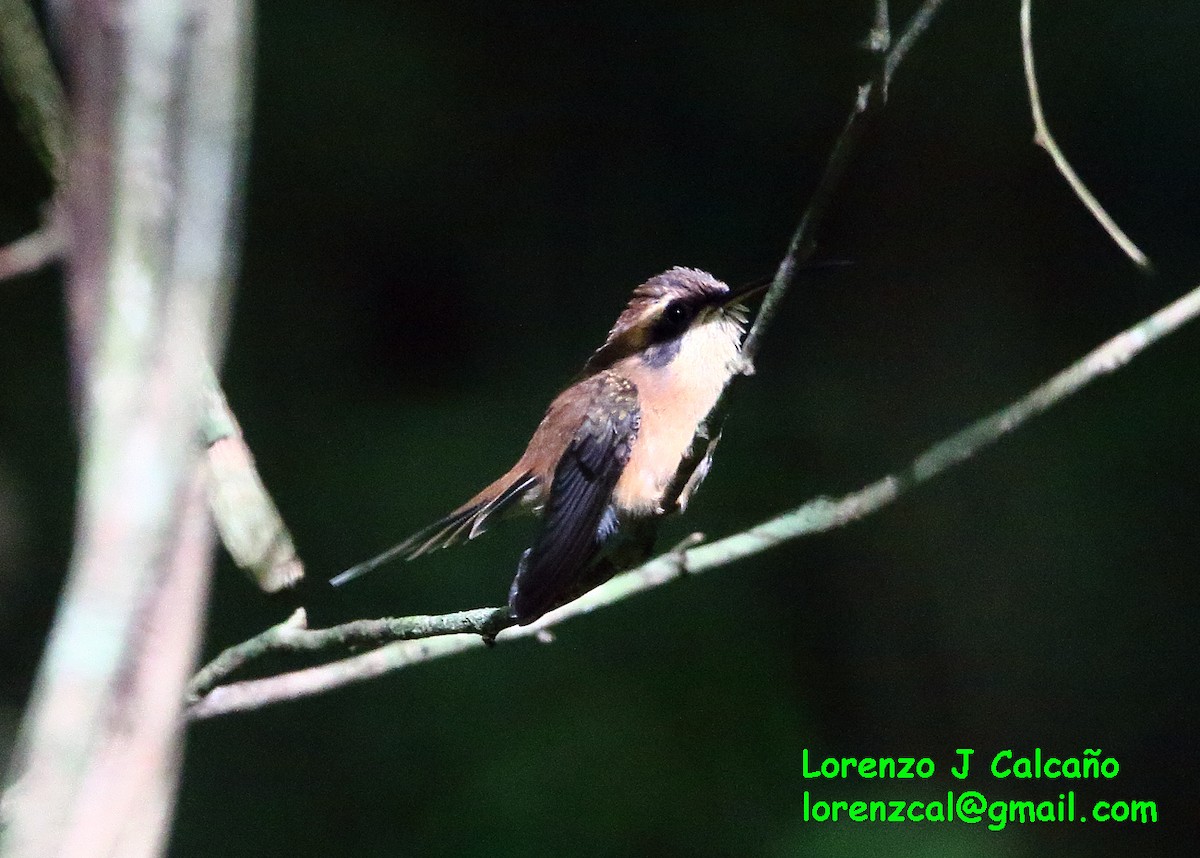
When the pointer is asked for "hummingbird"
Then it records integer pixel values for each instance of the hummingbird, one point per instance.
(599, 465)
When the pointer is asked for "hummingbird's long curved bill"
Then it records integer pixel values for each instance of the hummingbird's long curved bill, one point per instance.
(750, 290)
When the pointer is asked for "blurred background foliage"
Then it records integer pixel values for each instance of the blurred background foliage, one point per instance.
(447, 207)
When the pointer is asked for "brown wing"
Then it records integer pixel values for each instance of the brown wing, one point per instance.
(577, 510)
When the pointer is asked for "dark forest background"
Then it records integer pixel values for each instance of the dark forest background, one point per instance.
(447, 205)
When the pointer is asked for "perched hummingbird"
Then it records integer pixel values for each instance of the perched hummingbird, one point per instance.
(599, 465)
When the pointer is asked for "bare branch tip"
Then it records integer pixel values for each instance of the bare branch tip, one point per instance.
(33, 252)
(283, 576)
(879, 39)
(1044, 139)
(689, 541)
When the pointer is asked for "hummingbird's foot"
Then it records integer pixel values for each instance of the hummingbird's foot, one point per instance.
(699, 470)
(678, 554)
(493, 625)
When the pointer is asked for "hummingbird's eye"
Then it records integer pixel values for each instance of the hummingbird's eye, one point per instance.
(674, 320)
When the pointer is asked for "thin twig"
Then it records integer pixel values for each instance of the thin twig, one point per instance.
(816, 516)
(803, 240)
(879, 40)
(293, 635)
(1043, 138)
(35, 251)
(917, 25)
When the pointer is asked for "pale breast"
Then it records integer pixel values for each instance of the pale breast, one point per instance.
(673, 400)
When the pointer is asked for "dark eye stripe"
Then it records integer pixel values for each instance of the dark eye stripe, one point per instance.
(675, 318)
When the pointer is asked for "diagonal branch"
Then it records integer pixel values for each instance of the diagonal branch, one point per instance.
(1043, 138)
(249, 522)
(414, 636)
(870, 98)
(34, 86)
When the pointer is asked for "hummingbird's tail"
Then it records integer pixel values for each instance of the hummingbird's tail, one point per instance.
(466, 522)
